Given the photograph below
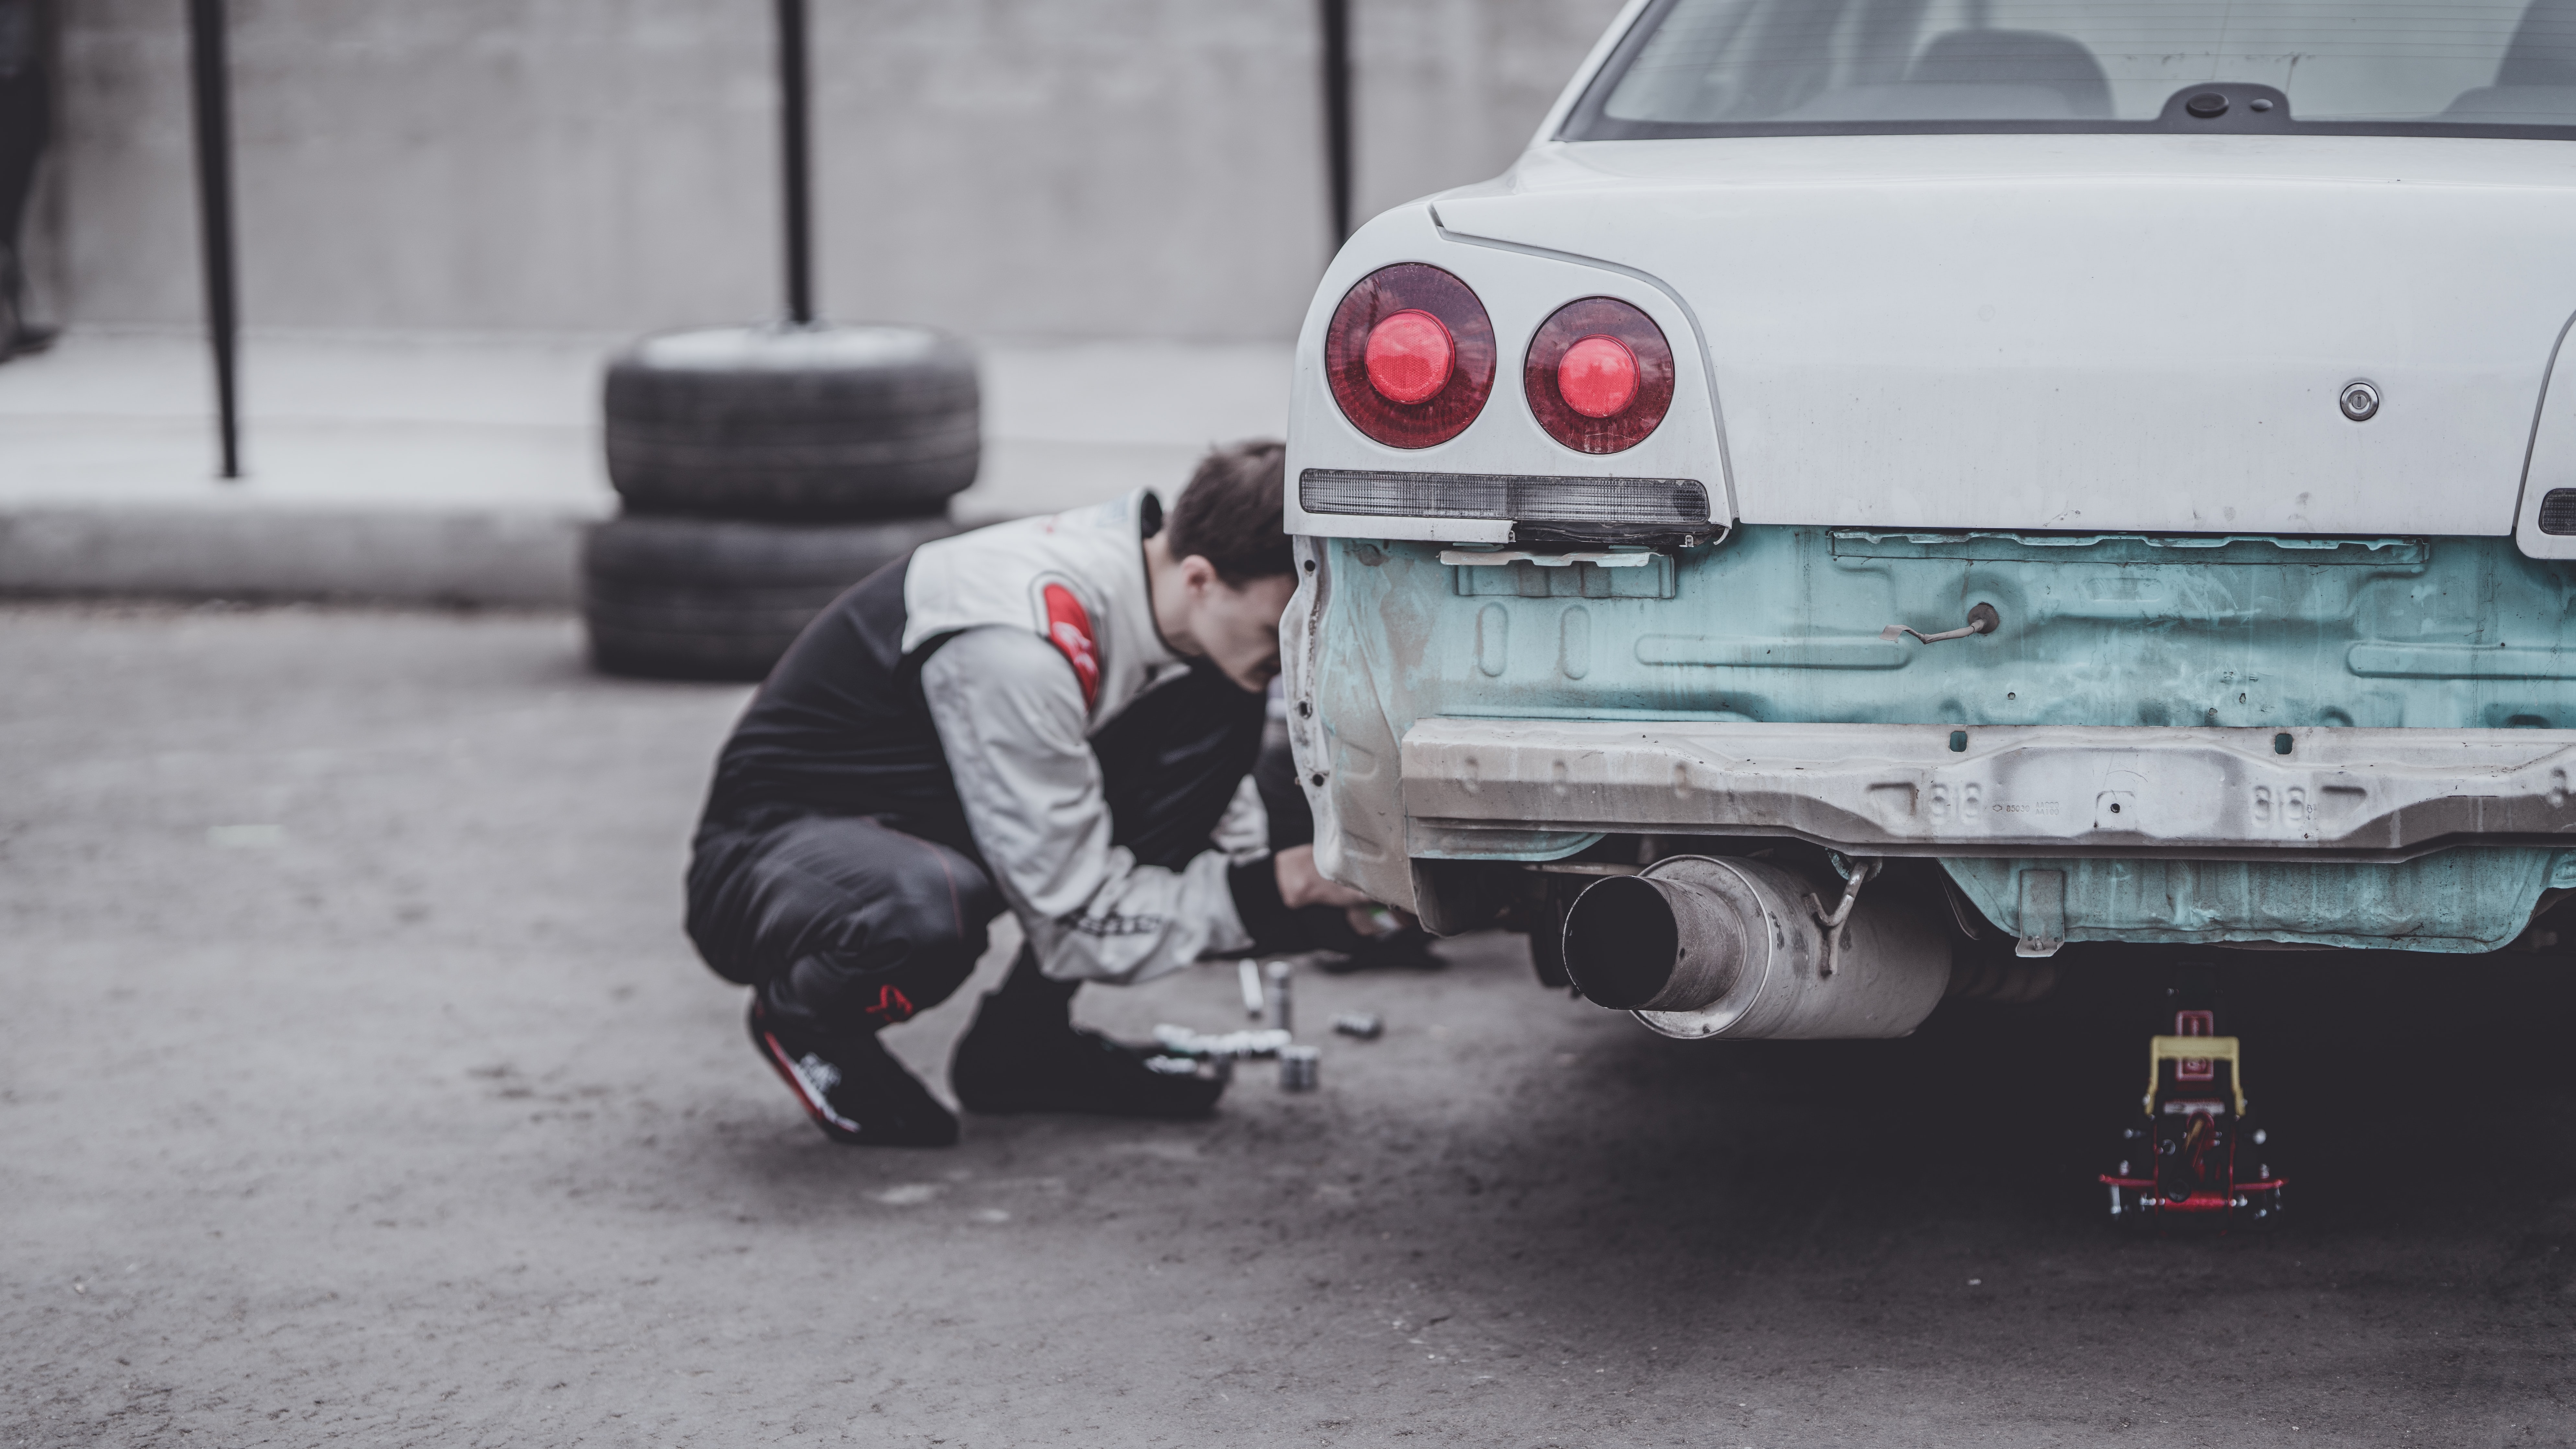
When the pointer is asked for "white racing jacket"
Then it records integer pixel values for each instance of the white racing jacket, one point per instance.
(1050, 635)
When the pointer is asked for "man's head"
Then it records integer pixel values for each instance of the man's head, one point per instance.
(1222, 568)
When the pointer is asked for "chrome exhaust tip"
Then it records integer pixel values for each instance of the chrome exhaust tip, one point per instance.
(1702, 946)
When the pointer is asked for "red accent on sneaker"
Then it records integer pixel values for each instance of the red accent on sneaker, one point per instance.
(1069, 629)
(794, 1076)
(892, 1006)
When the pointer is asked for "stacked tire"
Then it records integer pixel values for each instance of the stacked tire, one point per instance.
(762, 471)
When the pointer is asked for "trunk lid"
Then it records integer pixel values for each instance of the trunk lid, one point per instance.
(2092, 333)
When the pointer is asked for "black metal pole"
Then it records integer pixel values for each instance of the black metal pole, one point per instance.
(1337, 112)
(215, 209)
(795, 151)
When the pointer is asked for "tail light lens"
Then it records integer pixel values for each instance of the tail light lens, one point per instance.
(1599, 375)
(1410, 355)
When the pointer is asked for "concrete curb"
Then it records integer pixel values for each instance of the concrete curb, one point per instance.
(492, 557)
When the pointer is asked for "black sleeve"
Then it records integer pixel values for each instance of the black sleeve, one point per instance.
(1266, 918)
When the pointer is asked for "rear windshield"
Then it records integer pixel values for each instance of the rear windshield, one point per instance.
(1825, 67)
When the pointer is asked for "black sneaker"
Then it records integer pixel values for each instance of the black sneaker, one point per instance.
(1019, 1060)
(852, 1087)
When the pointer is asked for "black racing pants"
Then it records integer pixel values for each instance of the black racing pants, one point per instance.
(850, 923)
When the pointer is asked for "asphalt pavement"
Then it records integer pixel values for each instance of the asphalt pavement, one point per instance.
(358, 1085)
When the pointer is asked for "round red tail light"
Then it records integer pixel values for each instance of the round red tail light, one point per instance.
(1599, 375)
(1410, 355)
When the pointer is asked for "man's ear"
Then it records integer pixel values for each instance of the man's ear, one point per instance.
(1197, 573)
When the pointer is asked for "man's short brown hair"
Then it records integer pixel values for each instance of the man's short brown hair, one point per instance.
(1231, 512)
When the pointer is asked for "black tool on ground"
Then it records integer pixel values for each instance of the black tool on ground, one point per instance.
(1360, 1025)
(2195, 1156)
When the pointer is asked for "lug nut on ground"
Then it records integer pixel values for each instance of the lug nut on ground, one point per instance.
(1297, 1068)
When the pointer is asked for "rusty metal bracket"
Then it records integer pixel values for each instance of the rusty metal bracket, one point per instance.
(2043, 913)
(1833, 920)
(1981, 620)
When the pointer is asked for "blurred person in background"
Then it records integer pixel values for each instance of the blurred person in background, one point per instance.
(26, 111)
(1056, 716)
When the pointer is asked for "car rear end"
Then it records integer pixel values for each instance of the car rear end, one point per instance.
(2088, 518)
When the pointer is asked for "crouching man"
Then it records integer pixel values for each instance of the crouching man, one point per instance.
(1056, 716)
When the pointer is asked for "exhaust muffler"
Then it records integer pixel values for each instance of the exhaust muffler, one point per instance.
(1699, 946)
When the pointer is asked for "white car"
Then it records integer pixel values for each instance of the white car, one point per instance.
(1882, 490)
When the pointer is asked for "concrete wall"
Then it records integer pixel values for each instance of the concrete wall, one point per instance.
(1006, 167)
(1450, 90)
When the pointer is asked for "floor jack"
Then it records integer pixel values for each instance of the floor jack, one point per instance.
(2196, 1156)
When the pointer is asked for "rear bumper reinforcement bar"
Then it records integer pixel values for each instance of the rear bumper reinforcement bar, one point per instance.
(2005, 790)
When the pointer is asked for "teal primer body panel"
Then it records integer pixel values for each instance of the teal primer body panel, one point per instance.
(1783, 624)
(2456, 900)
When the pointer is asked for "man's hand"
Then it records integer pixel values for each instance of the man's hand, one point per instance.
(1378, 921)
(1301, 885)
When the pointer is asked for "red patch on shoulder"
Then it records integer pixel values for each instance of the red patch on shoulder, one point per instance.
(1069, 629)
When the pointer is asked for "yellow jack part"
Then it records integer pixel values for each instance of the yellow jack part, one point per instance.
(2162, 1049)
